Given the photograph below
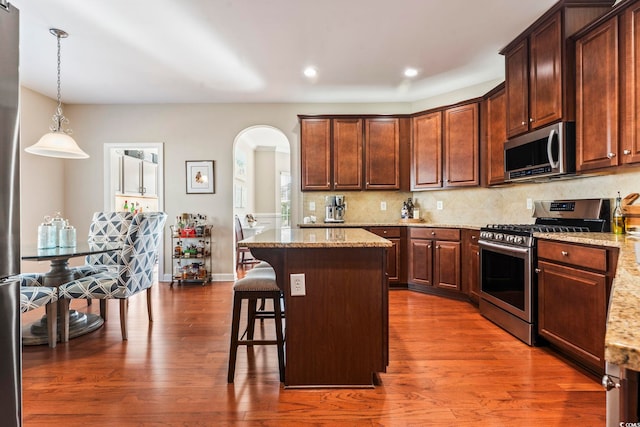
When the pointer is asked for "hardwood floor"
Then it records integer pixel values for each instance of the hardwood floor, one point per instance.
(448, 366)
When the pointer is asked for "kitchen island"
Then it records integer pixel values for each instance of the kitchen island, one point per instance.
(337, 332)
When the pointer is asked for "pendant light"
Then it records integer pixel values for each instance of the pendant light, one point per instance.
(58, 142)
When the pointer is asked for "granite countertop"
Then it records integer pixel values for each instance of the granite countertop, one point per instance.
(316, 238)
(622, 340)
(399, 223)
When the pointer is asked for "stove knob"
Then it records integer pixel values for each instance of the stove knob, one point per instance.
(499, 236)
(518, 240)
(486, 235)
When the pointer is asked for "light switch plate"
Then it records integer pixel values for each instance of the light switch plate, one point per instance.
(439, 205)
(312, 206)
(383, 206)
(297, 285)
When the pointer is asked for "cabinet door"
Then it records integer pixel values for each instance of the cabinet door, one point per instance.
(597, 97)
(630, 144)
(471, 264)
(315, 150)
(545, 67)
(347, 154)
(461, 134)
(517, 89)
(426, 151)
(572, 311)
(131, 175)
(447, 265)
(382, 154)
(496, 137)
(420, 262)
(149, 179)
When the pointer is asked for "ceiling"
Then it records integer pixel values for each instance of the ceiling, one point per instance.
(210, 51)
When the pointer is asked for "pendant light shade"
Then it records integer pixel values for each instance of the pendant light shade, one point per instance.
(58, 143)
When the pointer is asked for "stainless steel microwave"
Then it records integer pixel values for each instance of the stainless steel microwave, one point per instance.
(548, 152)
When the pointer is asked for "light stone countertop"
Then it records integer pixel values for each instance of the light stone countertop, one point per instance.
(316, 238)
(389, 224)
(622, 340)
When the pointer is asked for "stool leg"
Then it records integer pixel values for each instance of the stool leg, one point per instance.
(251, 318)
(235, 330)
(279, 336)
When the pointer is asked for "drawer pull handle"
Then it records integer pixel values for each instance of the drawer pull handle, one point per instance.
(564, 253)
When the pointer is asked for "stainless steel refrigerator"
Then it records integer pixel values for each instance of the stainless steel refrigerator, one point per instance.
(10, 335)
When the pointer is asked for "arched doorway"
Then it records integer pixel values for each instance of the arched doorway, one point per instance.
(262, 179)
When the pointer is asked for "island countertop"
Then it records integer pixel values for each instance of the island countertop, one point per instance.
(316, 238)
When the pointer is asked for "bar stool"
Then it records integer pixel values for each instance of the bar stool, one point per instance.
(251, 288)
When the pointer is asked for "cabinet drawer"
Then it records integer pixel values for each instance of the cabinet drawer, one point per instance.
(583, 256)
(435, 233)
(386, 232)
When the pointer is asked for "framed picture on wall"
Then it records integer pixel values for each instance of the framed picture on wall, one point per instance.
(200, 177)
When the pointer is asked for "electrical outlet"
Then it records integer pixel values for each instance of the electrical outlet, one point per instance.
(383, 206)
(297, 285)
(529, 204)
(312, 206)
(439, 205)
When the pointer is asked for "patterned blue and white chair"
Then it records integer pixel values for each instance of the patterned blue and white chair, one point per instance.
(135, 273)
(34, 295)
(105, 227)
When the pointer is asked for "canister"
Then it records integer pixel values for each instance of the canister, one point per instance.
(47, 237)
(67, 237)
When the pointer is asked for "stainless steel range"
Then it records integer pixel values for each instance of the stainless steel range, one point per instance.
(508, 284)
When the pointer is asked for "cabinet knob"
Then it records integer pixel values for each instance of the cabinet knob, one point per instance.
(564, 253)
(438, 247)
(537, 270)
(627, 152)
(473, 237)
(530, 119)
(429, 246)
(524, 123)
(433, 233)
(384, 232)
(611, 155)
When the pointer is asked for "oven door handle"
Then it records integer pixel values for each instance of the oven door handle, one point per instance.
(500, 247)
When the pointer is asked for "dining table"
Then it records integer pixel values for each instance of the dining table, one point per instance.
(80, 323)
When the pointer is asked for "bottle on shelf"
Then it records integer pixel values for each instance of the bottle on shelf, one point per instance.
(618, 217)
(409, 208)
(126, 206)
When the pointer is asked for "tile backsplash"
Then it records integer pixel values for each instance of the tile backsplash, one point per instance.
(475, 206)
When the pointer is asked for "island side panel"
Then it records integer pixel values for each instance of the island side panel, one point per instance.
(337, 334)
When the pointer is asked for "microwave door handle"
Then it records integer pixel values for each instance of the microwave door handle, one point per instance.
(553, 164)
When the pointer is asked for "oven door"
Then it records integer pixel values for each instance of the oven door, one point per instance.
(506, 278)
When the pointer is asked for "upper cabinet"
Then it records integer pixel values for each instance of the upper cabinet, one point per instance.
(138, 177)
(494, 133)
(607, 91)
(445, 147)
(630, 142)
(539, 68)
(353, 153)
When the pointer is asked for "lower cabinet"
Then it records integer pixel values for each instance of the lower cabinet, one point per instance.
(471, 264)
(434, 259)
(396, 265)
(574, 283)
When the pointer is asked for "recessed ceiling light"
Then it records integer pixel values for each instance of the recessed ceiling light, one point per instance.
(310, 72)
(410, 72)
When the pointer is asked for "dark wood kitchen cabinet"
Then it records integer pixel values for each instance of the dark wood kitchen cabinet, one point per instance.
(471, 264)
(597, 97)
(426, 151)
(461, 145)
(331, 153)
(630, 141)
(396, 265)
(574, 283)
(434, 260)
(539, 68)
(354, 153)
(494, 134)
(382, 154)
(445, 147)
(315, 151)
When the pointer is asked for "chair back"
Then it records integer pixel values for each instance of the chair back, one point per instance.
(239, 232)
(140, 251)
(108, 227)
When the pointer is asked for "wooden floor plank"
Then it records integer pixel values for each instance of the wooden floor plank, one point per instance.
(448, 366)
